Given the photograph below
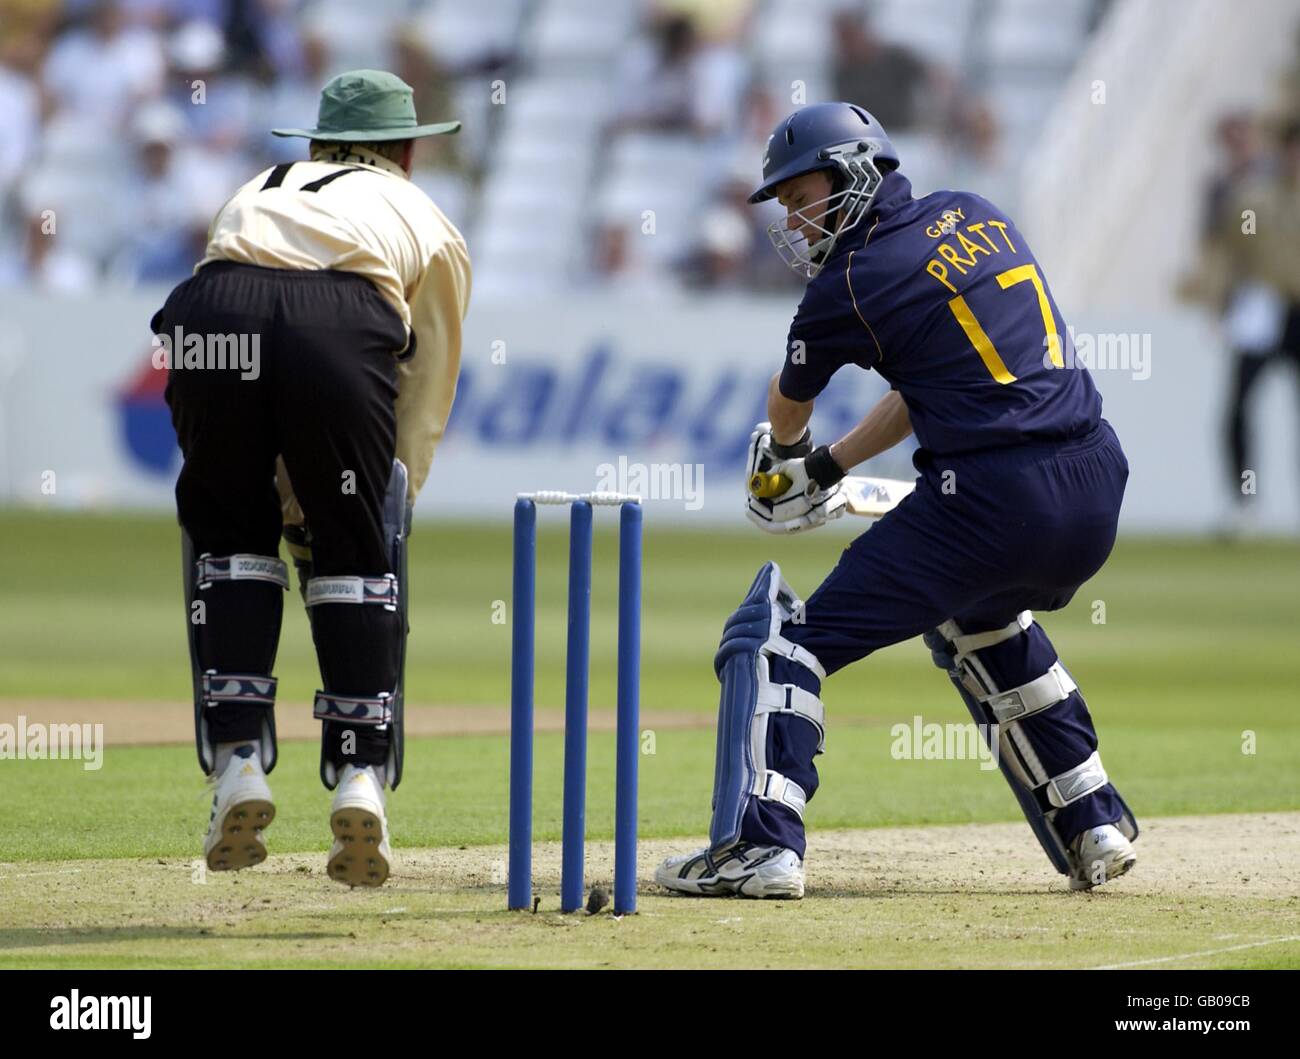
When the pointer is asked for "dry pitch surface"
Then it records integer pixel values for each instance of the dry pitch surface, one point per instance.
(1208, 892)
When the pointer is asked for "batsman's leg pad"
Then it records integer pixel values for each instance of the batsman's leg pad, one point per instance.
(1041, 795)
(221, 695)
(375, 718)
(752, 637)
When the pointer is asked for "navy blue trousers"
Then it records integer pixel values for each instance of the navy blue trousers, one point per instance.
(985, 536)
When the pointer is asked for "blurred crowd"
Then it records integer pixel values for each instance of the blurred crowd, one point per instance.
(1248, 270)
(125, 124)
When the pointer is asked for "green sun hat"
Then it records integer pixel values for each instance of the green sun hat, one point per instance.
(363, 106)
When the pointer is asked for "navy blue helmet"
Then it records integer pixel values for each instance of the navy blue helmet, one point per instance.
(839, 137)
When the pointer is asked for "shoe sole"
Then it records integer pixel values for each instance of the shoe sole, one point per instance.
(1112, 873)
(361, 861)
(241, 844)
(774, 892)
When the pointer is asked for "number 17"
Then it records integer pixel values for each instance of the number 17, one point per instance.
(981, 341)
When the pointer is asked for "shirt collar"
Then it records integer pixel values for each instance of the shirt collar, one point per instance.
(895, 191)
(354, 154)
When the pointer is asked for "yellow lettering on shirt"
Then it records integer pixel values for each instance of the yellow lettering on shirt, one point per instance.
(953, 258)
(975, 243)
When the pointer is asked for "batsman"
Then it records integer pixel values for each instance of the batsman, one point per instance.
(1016, 503)
(352, 286)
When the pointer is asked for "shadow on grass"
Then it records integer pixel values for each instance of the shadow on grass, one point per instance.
(45, 937)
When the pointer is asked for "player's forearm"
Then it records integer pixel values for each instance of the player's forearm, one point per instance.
(882, 428)
(789, 418)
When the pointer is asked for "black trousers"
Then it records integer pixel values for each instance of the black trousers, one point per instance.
(1246, 373)
(318, 387)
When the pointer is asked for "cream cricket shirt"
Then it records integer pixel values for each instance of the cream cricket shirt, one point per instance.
(374, 222)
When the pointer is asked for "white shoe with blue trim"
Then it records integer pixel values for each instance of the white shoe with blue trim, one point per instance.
(744, 870)
(1100, 854)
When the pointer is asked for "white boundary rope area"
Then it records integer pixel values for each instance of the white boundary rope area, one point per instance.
(551, 496)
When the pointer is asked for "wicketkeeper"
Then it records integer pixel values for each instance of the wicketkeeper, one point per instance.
(1016, 505)
(350, 286)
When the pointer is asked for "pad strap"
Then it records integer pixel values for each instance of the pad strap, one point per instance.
(790, 698)
(1056, 685)
(771, 786)
(964, 644)
(243, 567)
(779, 645)
(354, 709)
(1078, 782)
(241, 689)
(381, 590)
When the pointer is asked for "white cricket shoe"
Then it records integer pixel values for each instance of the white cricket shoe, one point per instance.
(360, 855)
(745, 869)
(1100, 854)
(241, 810)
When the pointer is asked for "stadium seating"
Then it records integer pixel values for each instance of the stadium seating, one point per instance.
(554, 150)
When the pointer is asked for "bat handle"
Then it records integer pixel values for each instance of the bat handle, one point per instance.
(766, 485)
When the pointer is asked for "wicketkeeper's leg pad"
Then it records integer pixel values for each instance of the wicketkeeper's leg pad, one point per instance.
(360, 626)
(234, 604)
(1042, 792)
(751, 640)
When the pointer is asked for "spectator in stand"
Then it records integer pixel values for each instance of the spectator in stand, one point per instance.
(417, 64)
(658, 82)
(721, 258)
(177, 187)
(262, 38)
(975, 157)
(219, 106)
(619, 263)
(287, 97)
(713, 19)
(162, 14)
(731, 249)
(438, 166)
(759, 111)
(890, 80)
(672, 82)
(45, 262)
(29, 20)
(102, 71)
(20, 109)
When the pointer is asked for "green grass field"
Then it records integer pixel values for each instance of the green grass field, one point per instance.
(1196, 650)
